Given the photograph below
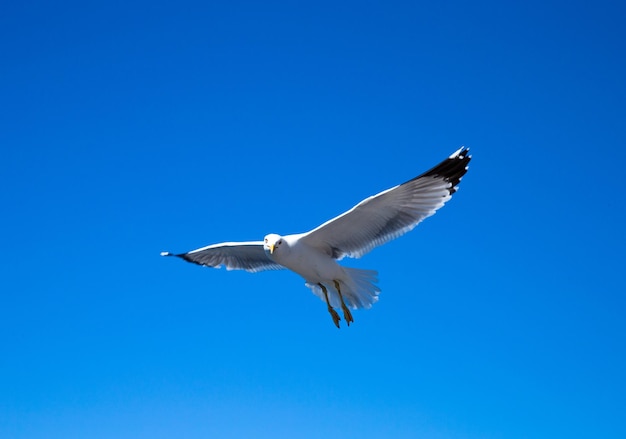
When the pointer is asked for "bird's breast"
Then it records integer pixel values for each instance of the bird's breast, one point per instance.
(310, 263)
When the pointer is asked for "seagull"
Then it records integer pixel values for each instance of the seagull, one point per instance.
(371, 223)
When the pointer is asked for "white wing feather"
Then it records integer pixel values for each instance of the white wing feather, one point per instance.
(391, 213)
(248, 256)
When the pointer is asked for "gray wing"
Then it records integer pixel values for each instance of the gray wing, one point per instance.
(248, 256)
(391, 213)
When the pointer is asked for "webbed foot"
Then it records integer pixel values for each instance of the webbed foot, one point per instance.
(335, 316)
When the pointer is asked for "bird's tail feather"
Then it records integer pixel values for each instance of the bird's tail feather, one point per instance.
(358, 288)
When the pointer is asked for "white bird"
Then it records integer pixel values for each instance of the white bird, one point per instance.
(313, 255)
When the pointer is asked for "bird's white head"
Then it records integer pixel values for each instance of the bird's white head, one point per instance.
(272, 243)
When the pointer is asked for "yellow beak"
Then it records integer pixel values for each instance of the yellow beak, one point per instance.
(272, 249)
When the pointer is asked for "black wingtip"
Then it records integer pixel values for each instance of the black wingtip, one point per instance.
(183, 256)
(180, 255)
(451, 169)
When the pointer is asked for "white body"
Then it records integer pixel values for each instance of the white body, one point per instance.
(317, 268)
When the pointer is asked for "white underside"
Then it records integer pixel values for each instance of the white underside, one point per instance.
(358, 287)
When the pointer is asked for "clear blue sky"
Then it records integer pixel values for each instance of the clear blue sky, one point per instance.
(128, 128)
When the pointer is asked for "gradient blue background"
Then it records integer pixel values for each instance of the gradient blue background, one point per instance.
(132, 128)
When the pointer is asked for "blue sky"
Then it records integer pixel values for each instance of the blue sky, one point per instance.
(131, 128)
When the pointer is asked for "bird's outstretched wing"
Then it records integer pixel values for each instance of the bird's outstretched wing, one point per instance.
(248, 256)
(391, 213)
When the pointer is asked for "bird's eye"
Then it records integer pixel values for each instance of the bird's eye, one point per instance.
(265, 239)
(280, 242)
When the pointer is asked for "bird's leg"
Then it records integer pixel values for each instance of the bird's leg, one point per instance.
(331, 310)
(347, 315)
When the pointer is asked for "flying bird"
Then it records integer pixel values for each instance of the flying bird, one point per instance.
(314, 254)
